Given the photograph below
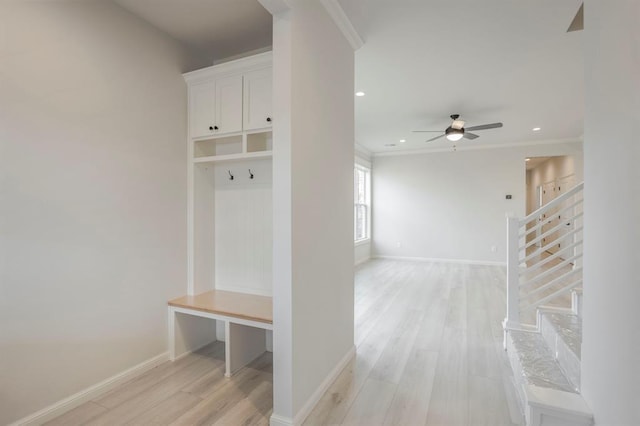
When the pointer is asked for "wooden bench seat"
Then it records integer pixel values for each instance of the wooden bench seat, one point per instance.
(228, 303)
(246, 318)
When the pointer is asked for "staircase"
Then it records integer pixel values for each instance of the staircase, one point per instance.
(543, 327)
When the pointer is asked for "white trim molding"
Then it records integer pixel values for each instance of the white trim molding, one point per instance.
(306, 409)
(277, 420)
(435, 259)
(344, 24)
(362, 242)
(476, 147)
(362, 156)
(362, 151)
(92, 392)
(276, 7)
(360, 262)
(303, 413)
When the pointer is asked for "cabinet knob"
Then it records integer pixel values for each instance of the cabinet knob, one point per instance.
(213, 127)
(269, 119)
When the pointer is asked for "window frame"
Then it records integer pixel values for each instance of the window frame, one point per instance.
(367, 203)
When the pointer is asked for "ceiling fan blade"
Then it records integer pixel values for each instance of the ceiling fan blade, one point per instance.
(426, 131)
(578, 21)
(437, 137)
(470, 136)
(485, 126)
(457, 124)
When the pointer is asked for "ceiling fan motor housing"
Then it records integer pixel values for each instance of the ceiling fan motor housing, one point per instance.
(451, 130)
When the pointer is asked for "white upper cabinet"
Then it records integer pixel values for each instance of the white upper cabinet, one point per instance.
(202, 108)
(216, 106)
(230, 98)
(257, 99)
(229, 104)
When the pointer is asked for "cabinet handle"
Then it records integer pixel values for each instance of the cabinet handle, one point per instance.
(213, 127)
(269, 119)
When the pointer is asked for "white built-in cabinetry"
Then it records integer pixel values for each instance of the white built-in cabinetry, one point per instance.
(230, 211)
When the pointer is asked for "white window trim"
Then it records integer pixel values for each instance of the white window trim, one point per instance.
(367, 239)
(362, 242)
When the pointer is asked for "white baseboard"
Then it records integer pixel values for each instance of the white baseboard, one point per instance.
(328, 381)
(276, 420)
(360, 262)
(92, 392)
(435, 259)
(257, 291)
(303, 413)
(195, 349)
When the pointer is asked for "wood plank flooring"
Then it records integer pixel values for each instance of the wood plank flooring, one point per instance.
(429, 352)
(190, 391)
(429, 349)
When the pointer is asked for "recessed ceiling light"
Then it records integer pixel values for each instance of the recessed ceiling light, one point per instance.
(536, 129)
(403, 140)
(390, 144)
(359, 93)
(527, 159)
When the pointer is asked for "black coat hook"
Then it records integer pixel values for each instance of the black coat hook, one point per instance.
(230, 175)
(250, 174)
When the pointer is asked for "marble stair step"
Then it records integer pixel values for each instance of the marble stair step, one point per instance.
(537, 363)
(546, 395)
(563, 334)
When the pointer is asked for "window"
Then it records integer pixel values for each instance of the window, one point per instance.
(362, 203)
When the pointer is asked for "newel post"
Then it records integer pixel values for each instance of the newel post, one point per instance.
(513, 275)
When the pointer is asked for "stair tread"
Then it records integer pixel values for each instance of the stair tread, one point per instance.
(538, 363)
(569, 329)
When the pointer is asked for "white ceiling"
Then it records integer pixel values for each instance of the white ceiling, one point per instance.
(490, 60)
(217, 29)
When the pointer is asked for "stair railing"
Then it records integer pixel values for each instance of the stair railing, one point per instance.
(544, 255)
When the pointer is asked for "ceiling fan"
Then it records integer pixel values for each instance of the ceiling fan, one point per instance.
(457, 131)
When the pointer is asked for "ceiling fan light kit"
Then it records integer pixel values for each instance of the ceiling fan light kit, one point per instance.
(454, 134)
(456, 130)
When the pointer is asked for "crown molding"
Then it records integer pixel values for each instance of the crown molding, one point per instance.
(276, 7)
(363, 151)
(245, 63)
(478, 147)
(344, 24)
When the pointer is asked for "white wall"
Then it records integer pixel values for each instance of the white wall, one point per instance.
(451, 205)
(93, 196)
(313, 204)
(611, 337)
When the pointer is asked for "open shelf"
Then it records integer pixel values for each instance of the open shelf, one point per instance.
(237, 147)
(223, 146)
(259, 142)
(233, 157)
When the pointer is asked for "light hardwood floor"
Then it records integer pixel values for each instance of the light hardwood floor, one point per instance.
(429, 352)
(429, 349)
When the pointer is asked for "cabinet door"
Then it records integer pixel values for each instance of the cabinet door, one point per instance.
(257, 99)
(228, 104)
(202, 109)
